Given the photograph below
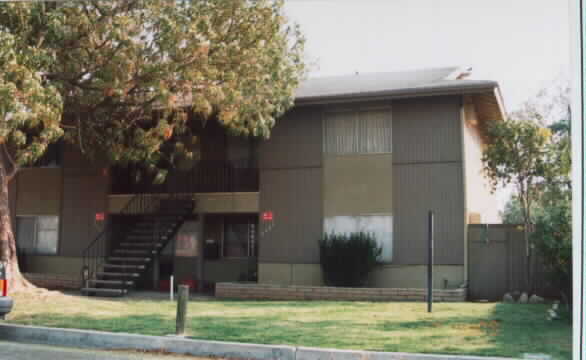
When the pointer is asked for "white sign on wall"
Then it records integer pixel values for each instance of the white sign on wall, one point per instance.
(379, 224)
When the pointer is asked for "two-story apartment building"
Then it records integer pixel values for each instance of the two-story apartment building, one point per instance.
(368, 152)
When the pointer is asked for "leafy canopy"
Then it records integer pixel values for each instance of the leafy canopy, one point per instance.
(124, 78)
(517, 154)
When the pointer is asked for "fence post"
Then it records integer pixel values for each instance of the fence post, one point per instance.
(430, 262)
(182, 300)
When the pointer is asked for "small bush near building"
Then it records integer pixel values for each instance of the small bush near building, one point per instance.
(553, 239)
(348, 259)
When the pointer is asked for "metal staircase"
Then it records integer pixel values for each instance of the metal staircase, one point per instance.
(120, 255)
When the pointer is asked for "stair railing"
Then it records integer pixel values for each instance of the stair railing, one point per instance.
(95, 254)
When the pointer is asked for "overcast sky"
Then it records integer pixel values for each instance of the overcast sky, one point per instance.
(522, 44)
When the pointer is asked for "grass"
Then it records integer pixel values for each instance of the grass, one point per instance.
(488, 329)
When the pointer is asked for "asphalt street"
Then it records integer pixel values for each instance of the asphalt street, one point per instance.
(18, 351)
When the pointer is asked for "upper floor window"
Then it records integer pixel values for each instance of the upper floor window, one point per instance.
(362, 131)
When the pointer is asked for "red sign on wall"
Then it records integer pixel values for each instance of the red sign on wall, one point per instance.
(267, 216)
(100, 216)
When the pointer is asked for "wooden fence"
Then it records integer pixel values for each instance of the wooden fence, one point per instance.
(497, 263)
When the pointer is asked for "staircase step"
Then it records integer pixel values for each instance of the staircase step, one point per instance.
(144, 237)
(117, 274)
(133, 259)
(133, 251)
(118, 266)
(103, 291)
(112, 282)
(158, 219)
(149, 231)
(140, 244)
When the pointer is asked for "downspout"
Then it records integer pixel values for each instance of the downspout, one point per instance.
(462, 123)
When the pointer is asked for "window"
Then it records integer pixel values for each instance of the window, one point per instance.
(230, 236)
(37, 235)
(381, 225)
(239, 236)
(358, 132)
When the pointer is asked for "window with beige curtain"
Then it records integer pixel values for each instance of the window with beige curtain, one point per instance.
(364, 131)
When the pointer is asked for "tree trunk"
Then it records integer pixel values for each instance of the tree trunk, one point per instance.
(16, 281)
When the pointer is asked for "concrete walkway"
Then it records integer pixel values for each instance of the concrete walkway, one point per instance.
(200, 348)
(17, 351)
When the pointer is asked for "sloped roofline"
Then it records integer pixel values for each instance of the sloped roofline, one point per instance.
(444, 88)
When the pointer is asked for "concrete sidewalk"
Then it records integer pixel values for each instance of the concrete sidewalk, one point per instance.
(18, 351)
(201, 348)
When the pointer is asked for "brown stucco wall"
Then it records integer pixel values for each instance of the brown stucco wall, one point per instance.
(357, 184)
(40, 191)
(479, 200)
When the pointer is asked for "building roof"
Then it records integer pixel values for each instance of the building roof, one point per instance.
(404, 84)
(364, 83)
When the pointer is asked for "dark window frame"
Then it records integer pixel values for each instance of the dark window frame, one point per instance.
(33, 249)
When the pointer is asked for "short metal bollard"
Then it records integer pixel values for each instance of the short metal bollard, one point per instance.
(182, 300)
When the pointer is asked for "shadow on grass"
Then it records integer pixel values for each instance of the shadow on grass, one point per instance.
(526, 327)
(137, 324)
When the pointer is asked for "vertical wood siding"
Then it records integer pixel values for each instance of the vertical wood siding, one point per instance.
(416, 190)
(85, 193)
(428, 175)
(295, 198)
(296, 141)
(83, 198)
(427, 130)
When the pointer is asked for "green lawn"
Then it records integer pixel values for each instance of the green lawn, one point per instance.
(453, 328)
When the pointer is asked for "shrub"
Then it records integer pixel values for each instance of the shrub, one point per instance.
(553, 240)
(348, 259)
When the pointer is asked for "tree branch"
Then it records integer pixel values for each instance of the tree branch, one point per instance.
(14, 168)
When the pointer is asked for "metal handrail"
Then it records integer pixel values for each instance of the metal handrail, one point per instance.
(204, 176)
(95, 253)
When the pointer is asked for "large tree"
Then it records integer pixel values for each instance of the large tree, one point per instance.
(516, 155)
(124, 79)
(531, 152)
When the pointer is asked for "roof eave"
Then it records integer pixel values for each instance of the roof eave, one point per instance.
(397, 94)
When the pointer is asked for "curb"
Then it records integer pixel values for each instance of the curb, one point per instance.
(202, 348)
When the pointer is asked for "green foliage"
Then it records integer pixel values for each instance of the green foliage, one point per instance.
(513, 213)
(516, 154)
(557, 183)
(348, 259)
(553, 240)
(30, 109)
(126, 80)
(536, 160)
